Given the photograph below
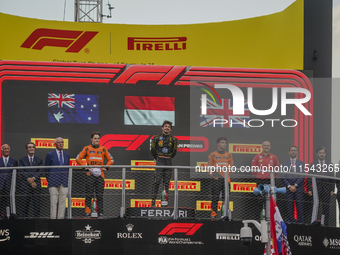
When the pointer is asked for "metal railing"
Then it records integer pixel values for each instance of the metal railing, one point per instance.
(248, 203)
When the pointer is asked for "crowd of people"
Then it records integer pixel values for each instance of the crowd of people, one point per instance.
(295, 188)
(29, 183)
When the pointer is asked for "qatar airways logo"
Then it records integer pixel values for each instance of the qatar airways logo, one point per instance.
(239, 106)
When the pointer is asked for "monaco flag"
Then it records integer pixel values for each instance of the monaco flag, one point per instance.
(151, 111)
(278, 232)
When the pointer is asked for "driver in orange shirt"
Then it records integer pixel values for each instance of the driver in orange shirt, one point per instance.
(220, 158)
(94, 181)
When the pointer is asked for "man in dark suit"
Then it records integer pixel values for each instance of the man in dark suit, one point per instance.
(294, 185)
(325, 186)
(5, 178)
(29, 181)
(57, 179)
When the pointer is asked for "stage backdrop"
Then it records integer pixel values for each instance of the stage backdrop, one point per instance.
(128, 104)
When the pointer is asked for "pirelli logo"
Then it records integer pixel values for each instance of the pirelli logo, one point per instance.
(157, 43)
(72, 40)
(73, 162)
(143, 163)
(143, 203)
(118, 184)
(47, 143)
(43, 182)
(245, 148)
(76, 202)
(201, 164)
(186, 185)
(242, 186)
(206, 205)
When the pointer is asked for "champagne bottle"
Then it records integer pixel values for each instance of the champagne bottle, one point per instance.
(263, 214)
(222, 210)
(164, 199)
(94, 213)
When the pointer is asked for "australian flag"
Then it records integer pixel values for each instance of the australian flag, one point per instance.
(73, 108)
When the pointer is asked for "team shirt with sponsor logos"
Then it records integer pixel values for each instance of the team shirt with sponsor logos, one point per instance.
(95, 156)
(261, 160)
(222, 159)
(164, 146)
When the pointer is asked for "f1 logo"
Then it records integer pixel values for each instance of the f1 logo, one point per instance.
(74, 41)
(188, 228)
(132, 142)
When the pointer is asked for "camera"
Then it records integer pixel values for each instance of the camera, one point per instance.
(246, 235)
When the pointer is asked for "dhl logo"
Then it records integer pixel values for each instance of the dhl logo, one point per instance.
(242, 186)
(186, 185)
(47, 143)
(245, 148)
(76, 202)
(143, 203)
(118, 184)
(206, 205)
(73, 162)
(43, 182)
(73, 40)
(143, 163)
(157, 43)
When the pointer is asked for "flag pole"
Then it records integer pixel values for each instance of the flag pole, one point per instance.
(268, 250)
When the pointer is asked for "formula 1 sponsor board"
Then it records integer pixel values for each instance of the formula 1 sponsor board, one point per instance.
(186, 185)
(130, 234)
(159, 212)
(245, 148)
(144, 203)
(73, 162)
(43, 182)
(88, 235)
(118, 184)
(180, 234)
(76, 202)
(331, 243)
(143, 163)
(228, 236)
(47, 143)
(243, 187)
(132, 142)
(205, 205)
(48, 235)
(303, 240)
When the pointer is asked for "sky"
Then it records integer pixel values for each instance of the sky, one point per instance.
(150, 11)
